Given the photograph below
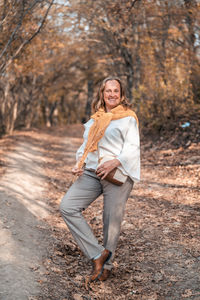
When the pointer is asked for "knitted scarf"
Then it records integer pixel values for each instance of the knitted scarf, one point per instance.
(101, 121)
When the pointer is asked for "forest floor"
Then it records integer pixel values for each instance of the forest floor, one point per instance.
(158, 254)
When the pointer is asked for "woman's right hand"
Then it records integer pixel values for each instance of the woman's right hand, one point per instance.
(77, 171)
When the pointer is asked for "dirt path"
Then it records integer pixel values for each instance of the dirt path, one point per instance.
(158, 256)
(22, 210)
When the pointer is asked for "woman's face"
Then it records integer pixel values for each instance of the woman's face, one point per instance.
(111, 94)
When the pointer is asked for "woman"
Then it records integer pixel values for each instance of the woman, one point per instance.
(111, 132)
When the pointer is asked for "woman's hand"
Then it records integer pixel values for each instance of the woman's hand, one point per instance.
(103, 170)
(76, 170)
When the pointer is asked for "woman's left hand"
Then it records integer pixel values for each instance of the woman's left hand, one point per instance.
(103, 170)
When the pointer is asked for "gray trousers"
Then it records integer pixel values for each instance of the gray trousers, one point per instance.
(79, 196)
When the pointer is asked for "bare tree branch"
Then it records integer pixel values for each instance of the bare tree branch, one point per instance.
(22, 15)
(5, 65)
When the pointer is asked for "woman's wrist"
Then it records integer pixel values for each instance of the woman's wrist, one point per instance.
(116, 162)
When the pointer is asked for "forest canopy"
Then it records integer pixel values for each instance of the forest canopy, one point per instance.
(55, 53)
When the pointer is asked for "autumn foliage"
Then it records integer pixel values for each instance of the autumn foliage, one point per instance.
(55, 53)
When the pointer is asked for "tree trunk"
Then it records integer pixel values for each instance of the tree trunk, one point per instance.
(194, 64)
(89, 99)
(13, 117)
(52, 109)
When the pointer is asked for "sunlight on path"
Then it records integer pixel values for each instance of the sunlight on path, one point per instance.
(21, 212)
(24, 179)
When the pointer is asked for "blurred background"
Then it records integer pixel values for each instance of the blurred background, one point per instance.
(54, 54)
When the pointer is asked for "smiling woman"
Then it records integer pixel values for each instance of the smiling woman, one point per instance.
(111, 137)
(110, 85)
(112, 95)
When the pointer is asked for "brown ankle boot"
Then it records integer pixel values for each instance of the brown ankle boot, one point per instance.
(105, 274)
(99, 263)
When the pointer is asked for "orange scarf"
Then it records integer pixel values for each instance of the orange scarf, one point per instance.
(101, 121)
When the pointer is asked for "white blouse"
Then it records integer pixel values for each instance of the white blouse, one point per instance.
(121, 140)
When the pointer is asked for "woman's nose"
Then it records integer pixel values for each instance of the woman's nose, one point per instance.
(112, 93)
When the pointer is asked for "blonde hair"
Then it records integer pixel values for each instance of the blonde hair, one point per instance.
(99, 101)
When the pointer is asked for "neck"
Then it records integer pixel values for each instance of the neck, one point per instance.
(110, 109)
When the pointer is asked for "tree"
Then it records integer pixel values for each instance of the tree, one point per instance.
(152, 45)
(21, 21)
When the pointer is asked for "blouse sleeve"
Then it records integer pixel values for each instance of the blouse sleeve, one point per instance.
(81, 149)
(130, 154)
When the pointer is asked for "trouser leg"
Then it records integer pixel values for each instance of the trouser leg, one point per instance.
(80, 195)
(115, 198)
